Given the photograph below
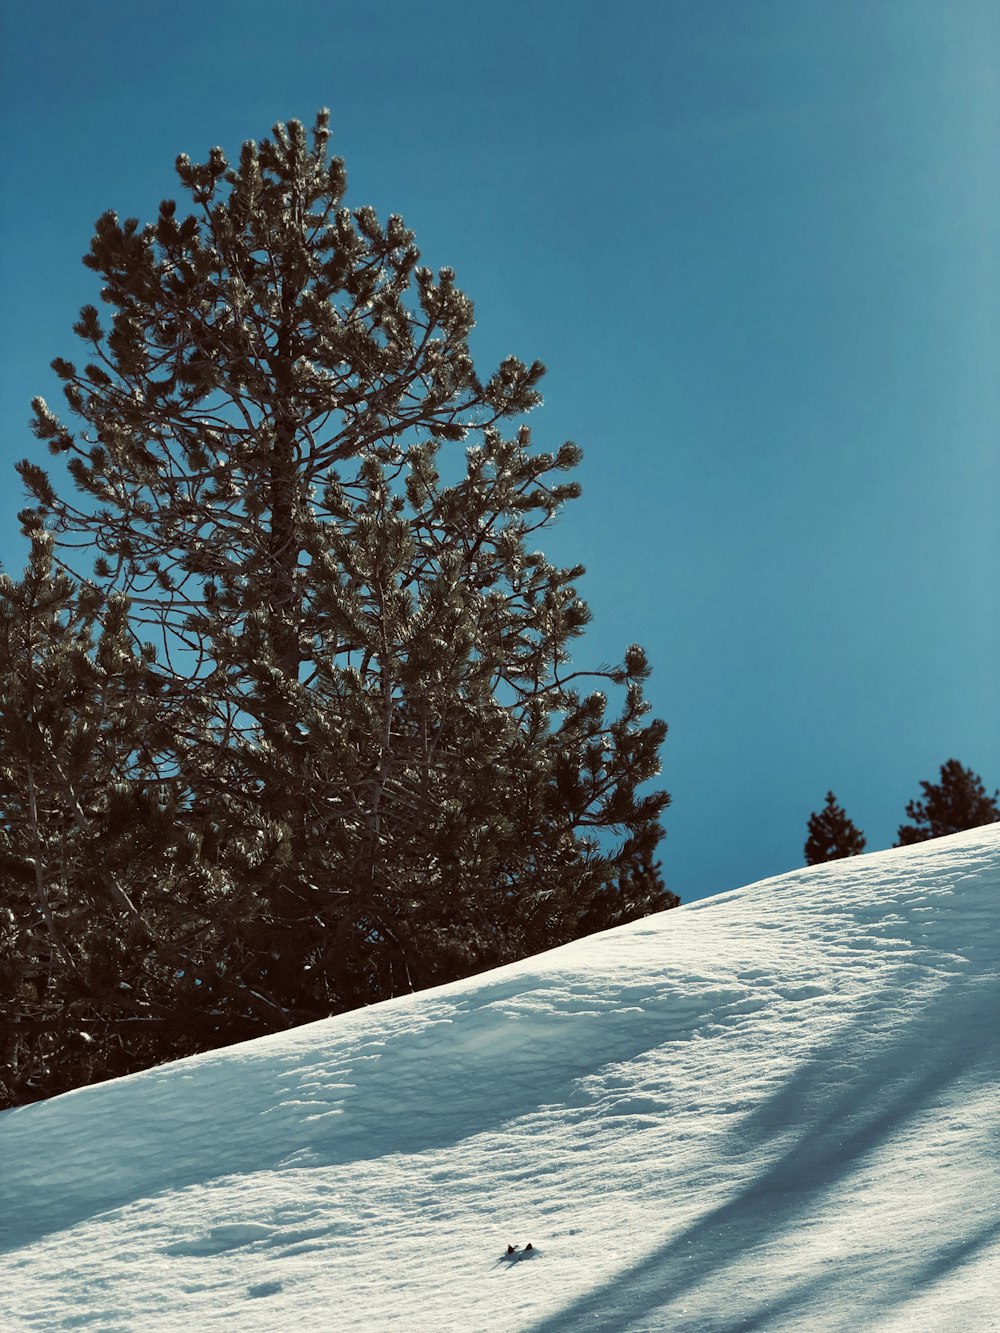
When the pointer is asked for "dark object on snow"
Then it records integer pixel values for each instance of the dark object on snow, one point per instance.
(515, 1254)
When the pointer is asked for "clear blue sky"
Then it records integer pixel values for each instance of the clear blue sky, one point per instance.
(756, 244)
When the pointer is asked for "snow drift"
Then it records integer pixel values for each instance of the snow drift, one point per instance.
(773, 1109)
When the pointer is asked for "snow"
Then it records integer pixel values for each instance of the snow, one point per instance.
(776, 1109)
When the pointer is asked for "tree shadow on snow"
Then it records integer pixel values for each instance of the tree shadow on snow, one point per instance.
(822, 1135)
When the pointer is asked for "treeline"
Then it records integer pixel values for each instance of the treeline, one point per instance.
(288, 720)
(957, 801)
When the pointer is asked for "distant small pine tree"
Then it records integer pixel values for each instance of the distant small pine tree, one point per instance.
(832, 835)
(959, 801)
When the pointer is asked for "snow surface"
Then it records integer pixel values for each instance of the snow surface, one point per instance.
(773, 1109)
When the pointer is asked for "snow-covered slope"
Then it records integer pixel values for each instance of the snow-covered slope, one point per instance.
(774, 1109)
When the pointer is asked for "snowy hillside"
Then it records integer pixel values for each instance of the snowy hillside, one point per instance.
(774, 1109)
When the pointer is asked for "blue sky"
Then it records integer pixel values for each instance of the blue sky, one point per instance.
(756, 244)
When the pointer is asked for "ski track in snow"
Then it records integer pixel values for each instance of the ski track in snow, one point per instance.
(776, 1109)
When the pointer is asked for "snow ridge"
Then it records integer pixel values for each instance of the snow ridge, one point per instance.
(775, 1109)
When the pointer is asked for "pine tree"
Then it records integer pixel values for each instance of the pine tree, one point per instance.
(832, 835)
(67, 708)
(638, 891)
(958, 801)
(110, 923)
(287, 463)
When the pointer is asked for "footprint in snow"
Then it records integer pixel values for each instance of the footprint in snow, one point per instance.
(264, 1289)
(220, 1239)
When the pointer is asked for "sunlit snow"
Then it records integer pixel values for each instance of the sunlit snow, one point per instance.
(776, 1109)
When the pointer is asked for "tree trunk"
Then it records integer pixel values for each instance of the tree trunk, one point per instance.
(283, 609)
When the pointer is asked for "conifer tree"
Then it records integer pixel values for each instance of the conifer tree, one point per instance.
(111, 921)
(67, 746)
(958, 801)
(286, 461)
(638, 892)
(832, 835)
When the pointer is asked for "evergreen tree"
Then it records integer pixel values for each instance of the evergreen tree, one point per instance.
(638, 891)
(287, 463)
(832, 835)
(111, 921)
(958, 801)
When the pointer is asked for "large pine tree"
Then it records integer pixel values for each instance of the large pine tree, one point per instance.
(958, 801)
(286, 461)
